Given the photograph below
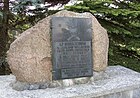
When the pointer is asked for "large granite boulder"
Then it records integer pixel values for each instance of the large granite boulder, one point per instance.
(30, 56)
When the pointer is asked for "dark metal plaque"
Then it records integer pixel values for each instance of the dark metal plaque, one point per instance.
(71, 47)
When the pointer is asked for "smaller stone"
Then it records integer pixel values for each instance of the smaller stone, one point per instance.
(91, 79)
(43, 86)
(67, 82)
(33, 87)
(54, 84)
(20, 86)
(81, 80)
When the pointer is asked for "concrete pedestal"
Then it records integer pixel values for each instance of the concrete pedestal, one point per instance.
(115, 82)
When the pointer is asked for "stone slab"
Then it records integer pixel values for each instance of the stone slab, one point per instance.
(71, 47)
(116, 79)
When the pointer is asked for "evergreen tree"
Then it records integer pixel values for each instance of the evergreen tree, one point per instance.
(122, 21)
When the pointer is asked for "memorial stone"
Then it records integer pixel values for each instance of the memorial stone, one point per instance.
(60, 50)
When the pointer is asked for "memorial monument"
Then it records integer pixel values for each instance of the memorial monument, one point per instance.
(65, 56)
(61, 50)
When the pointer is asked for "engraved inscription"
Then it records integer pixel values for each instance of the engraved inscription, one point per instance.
(73, 54)
(76, 72)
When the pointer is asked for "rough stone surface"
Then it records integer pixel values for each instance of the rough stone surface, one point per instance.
(29, 55)
(118, 82)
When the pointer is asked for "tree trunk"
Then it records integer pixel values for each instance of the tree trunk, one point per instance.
(4, 30)
(4, 38)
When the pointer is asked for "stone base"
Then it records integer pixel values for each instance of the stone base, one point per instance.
(115, 82)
